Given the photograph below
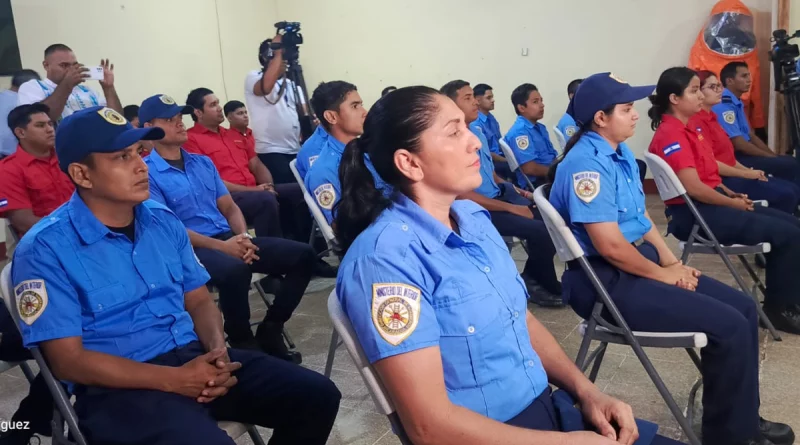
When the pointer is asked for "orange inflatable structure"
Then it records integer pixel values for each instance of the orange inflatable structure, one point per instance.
(727, 37)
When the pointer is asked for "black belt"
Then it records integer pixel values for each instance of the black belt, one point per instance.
(575, 265)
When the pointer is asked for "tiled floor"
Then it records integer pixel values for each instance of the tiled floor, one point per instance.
(621, 375)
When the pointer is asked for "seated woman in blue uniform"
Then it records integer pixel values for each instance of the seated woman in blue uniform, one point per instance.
(781, 194)
(731, 215)
(596, 188)
(435, 299)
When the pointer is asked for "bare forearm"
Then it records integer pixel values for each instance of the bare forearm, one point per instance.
(57, 101)
(492, 205)
(271, 74)
(235, 219)
(112, 99)
(534, 169)
(497, 157)
(627, 258)
(204, 242)
(497, 179)
(262, 174)
(236, 187)
(705, 194)
(748, 148)
(208, 324)
(561, 371)
(22, 221)
(759, 143)
(653, 237)
(92, 368)
(728, 171)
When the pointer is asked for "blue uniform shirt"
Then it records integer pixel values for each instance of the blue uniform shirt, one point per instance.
(491, 129)
(731, 116)
(530, 143)
(488, 187)
(408, 283)
(73, 277)
(310, 150)
(322, 182)
(567, 125)
(192, 194)
(594, 184)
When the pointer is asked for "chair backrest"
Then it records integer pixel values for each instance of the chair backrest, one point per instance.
(567, 245)
(669, 186)
(345, 330)
(562, 141)
(509, 155)
(322, 223)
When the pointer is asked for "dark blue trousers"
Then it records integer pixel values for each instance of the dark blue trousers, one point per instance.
(503, 170)
(260, 211)
(780, 193)
(300, 406)
(292, 260)
(784, 167)
(728, 317)
(542, 415)
(765, 224)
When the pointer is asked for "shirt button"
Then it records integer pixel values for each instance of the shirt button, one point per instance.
(404, 227)
(152, 286)
(134, 252)
(99, 306)
(530, 363)
(624, 210)
(629, 180)
(471, 329)
(516, 314)
(487, 269)
(52, 219)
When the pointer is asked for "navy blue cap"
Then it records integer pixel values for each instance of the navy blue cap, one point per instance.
(97, 130)
(160, 106)
(601, 91)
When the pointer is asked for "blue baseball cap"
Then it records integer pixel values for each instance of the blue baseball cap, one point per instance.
(97, 130)
(600, 91)
(160, 106)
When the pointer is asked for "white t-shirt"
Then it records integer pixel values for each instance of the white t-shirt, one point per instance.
(276, 128)
(81, 97)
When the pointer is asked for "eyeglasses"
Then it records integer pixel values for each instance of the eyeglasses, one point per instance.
(714, 86)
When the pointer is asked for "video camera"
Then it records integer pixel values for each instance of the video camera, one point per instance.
(784, 56)
(290, 40)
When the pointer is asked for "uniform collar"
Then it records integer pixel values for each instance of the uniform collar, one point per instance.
(161, 164)
(525, 122)
(727, 93)
(600, 144)
(432, 233)
(246, 134)
(335, 144)
(27, 159)
(200, 129)
(673, 123)
(706, 115)
(89, 228)
(482, 118)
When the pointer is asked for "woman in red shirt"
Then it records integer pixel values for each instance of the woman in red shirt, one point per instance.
(730, 215)
(782, 195)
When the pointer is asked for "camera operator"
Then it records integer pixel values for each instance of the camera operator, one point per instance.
(272, 104)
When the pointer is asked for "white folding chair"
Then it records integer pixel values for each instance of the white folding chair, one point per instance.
(705, 242)
(597, 328)
(562, 141)
(341, 324)
(512, 161)
(327, 232)
(64, 412)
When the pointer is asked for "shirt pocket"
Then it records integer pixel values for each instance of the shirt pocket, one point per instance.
(472, 332)
(43, 191)
(109, 310)
(179, 200)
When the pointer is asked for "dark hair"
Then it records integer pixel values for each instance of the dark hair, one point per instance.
(55, 47)
(263, 50)
(395, 121)
(585, 128)
(729, 71)
(672, 81)
(521, 94)
(481, 89)
(20, 116)
(197, 99)
(131, 112)
(23, 76)
(388, 90)
(704, 75)
(572, 87)
(232, 106)
(450, 89)
(329, 96)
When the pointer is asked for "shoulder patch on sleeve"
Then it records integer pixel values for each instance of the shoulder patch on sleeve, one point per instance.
(395, 310)
(522, 142)
(325, 195)
(31, 299)
(729, 117)
(3, 202)
(586, 185)
(672, 148)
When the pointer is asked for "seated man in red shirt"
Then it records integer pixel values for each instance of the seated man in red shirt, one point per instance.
(31, 183)
(246, 177)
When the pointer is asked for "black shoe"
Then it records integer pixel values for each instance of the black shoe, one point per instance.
(244, 342)
(19, 437)
(777, 433)
(786, 319)
(324, 270)
(541, 296)
(761, 441)
(269, 336)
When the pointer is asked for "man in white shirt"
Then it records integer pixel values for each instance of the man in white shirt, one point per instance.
(63, 89)
(8, 101)
(272, 105)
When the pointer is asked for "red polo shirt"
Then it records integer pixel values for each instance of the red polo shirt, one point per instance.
(228, 153)
(706, 123)
(682, 147)
(28, 182)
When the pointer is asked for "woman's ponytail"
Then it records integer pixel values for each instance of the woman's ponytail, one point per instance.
(551, 172)
(672, 81)
(657, 110)
(360, 203)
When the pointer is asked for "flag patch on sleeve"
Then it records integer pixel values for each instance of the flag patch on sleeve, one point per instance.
(3, 203)
(672, 148)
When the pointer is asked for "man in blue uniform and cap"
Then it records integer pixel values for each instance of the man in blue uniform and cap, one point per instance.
(109, 288)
